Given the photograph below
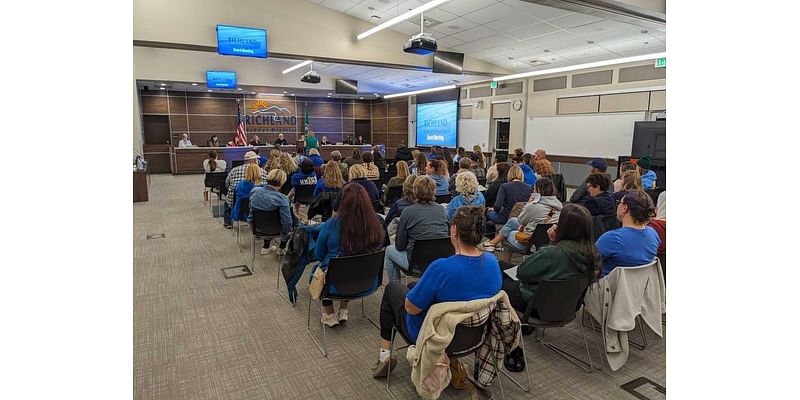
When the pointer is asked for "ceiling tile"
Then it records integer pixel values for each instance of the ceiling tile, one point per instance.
(583, 52)
(538, 11)
(316, 1)
(604, 26)
(462, 7)
(339, 5)
(478, 32)
(511, 22)
(574, 20)
(485, 54)
(634, 45)
(494, 41)
(531, 31)
(406, 27)
(361, 12)
(437, 14)
(547, 40)
(493, 12)
(388, 6)
(618, 36)
(448, 42)
(454, 26)
(466, 48)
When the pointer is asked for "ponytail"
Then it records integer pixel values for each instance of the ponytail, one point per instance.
(212, 160)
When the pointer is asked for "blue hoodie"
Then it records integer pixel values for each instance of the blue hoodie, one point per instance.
(649, 180)
(529, 175)
(442, 184)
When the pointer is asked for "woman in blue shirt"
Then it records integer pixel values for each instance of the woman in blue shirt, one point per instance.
(467, 187)
(331, 180)
(313, 154)
(635, 243)
(355, 229)
(437, 170)
(252, 178)
(470, 274)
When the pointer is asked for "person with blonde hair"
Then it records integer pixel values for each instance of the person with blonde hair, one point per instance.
(510, 193)
(289, 167)
(359, 175)
(313, 154)
(236, 175)
(331, 180)
(482, 158)
(336, 155)
(269, 198)
(625, 167)
(274, 160)
(252, 178)
(397, 180)
(467, 187)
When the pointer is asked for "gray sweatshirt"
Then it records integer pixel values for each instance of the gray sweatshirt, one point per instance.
(421, 221)
(537, 211)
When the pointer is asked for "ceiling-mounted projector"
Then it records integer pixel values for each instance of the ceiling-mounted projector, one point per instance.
(310, 77)
(421, 43)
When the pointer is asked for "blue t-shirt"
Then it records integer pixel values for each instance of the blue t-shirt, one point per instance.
(301, 179)
(627, 247)
(456, 278)
(529, 176)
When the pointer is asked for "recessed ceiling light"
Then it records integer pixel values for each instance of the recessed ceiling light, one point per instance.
(361, 98)
(376, 94)
(510, 58)
(292, 94)
(370, 8)
(330, 94)
(163, 88)
(546, 51)
(252, 92)
(238, 88)
(284, 92)
(194, 84)
(210, 90)
(644, 31)
(590, 42)
(163, 84)
(646, 42)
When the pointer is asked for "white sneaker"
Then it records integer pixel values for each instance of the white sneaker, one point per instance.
(342, 315)
(270, 250)
(329, 319)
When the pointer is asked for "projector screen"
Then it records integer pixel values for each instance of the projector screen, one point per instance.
(221, 79)
(437, 124)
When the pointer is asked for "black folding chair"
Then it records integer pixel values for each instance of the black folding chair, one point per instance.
(376, 206)
(393, 194)
(354, 278)
(538, 240)
(443, 198)
(604, 223)
(304, 194)
(244, 211)
(426, 252)
(561, 186)
(466, 340)
(556, 304)
(267, 226)
(216, 181)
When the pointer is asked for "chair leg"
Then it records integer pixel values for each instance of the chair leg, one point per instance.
(308, 330)
(596, 342)
(253, 261)
(527, 369)
(278, 282)
(363, 315)
(238, 234)
(586, 366)
(643, 345)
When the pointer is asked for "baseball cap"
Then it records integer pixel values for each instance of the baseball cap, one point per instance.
(598, 163)
(250, 155)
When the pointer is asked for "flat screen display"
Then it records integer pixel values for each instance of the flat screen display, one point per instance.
(344, 86)
(437, 124)
(243, 42)
(221, 79)
(445, 62)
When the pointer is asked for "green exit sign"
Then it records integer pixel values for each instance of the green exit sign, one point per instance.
(494, 84)
(661, 62)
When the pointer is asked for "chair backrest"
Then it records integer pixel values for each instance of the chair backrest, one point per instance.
(482, 181)
(304, 194)
(443, 198)
(467, 339)
(427, 251)
(603, 223)
(393, 194)
(351, 275)
(216, 180)
(244, 209)
(539, 237)
(266, 223)
(376, 206)
(558, 300)
(561, 187)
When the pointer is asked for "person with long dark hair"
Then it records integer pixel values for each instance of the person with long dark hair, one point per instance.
(355, 229)
(494, 185)
(469, 274)
(212, 164)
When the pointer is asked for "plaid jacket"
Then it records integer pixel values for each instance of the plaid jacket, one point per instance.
(503, 336)
(234, 177)
(543, 167)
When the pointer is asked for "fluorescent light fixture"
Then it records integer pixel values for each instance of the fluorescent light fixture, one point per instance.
(194, 84)
(163, 84)
(302, 64)
(436, 89)
(270, 94)
(238, 88)
(402, 17)
(582, 66)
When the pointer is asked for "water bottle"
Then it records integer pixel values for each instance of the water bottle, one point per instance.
(139, 163)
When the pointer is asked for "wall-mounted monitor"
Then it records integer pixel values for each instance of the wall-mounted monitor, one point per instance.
(437, 124)
(221, 79)
(445, 62)
(344, 86)
(243, 42)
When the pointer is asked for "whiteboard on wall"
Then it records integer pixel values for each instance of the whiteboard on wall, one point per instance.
(472, 132)
(594, 135)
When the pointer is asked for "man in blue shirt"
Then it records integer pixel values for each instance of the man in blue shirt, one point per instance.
(635, 243)
(270, 198)
(529, 176)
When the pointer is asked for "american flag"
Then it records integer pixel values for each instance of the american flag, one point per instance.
(241, 138)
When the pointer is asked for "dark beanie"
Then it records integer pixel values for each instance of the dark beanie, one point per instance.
(644, 162)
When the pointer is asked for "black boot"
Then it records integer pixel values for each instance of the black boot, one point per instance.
(515, 360)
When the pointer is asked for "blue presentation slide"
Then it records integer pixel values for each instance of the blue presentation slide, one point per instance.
(221, 79)
(437, 124)
(244, 42)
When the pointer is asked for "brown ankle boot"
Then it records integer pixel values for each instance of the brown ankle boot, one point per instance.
(459, 375)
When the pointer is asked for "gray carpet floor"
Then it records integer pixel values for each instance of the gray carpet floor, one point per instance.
(198, 335)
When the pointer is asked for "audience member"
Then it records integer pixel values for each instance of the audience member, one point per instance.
(403, 153)
(423, 220)
(353, 230)
(269, 198)
(659, 223)
(311, 141)
(255, 141)
(397, 180)
(436, 152)
(211, 164)
(306, 177)
(600, 202)
(494, 187)
(631, 180)
(448, 159)
(185, 142)
(470, 274)
(371, 171)
(213, 142)
(527, 172)
(625, 167)
(460, 153)
(467, 187)
(289, 167)
(437, 170)
(377, 158)
(400, 205)
(491, 172)
(358, 174)
(541, 165)
(331, 180)
(237, 175)
(313, 155)
(475, 166)
(580, 196)
(635, 243)
(544, 208)
(252, 178)
(510, 193)
(463, 166)
(481, 157)
(336, 155)
(280, 141)
(420, 163)
(518, 152)
(262, 160)
(355, 159)
(648, 176)
(274, 160)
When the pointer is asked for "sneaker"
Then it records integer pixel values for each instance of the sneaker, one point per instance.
(281, 252)
(269, 250)
(488, 247)
(381, 369)
(329, 320)
(227, 226)
(342, 316)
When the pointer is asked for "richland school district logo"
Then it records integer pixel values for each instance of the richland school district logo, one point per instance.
(270, 118)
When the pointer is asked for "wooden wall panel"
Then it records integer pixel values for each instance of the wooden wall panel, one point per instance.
(380, 125)
(154, 105)
(200, 139)
(380, 110)
(398, 125)
(348, 125)
(212, 106)
(177, 123)
(347, 110)
(362, 111)
(212, 123)
(398, 109)
(177, 105)
(326, 109)
(325, 125)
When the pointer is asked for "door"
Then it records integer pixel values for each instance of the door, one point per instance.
(363, 127)
(156, 129)
(502, 129)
